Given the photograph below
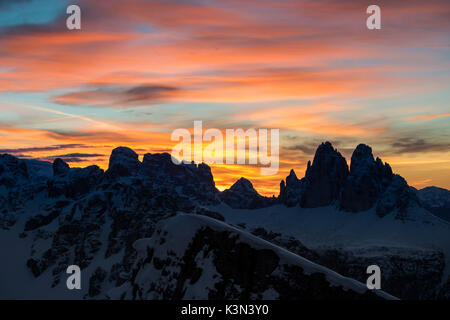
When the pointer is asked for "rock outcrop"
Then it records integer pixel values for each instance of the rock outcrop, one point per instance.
(291, 191)
(242, 195)
(328, 181)
(367, 180)
(60, 167)
(123, 162)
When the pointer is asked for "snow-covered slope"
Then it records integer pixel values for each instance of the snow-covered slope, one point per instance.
(436, 200)
(421, 243)
(196, 257)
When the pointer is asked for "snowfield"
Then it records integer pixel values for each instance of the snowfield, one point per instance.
(178, 233)
(327, 226)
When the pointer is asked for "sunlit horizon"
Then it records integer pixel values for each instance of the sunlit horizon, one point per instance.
(137, 70)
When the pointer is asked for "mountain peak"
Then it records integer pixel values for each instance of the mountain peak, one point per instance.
(292, 175)
(12, 170)
(124, 153)
(243, 185)
(363, 149)
(362, 158)
(291, 190)
(371, 182)
(324, 148)
(123, 162)
(242, 195)
(328, 180)
(325, 177)
(60, 167)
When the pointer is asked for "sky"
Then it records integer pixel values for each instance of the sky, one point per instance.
(137, 70)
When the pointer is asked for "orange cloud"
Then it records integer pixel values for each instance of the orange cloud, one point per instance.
(131, 53)
(427, 117)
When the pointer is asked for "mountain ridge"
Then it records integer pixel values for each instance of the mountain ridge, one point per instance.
(353, 189)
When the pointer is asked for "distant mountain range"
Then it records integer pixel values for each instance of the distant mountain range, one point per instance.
(153, 229)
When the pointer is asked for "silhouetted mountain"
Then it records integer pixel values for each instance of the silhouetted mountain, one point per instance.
(291, 191)
(60, 167)
(368, 183)
(324, 178)
(242, 195)
(123, 162)
(12, 171)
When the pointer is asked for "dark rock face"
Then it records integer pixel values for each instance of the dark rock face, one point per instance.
(12, 171)
(95, 282)
(84, 203)
(406, 273)
(291, 191)
(18, 185)
(60, 167)
(123, 162)
(231, 264)
(205, 176)
(242, 195)
(325, 178)
(194, 180)
(367, 180)
(372, 183)
(74, 182)
(397, 196)
(243, 186)
(444, 293)
(40, 220)
(328, 181)
(237, 263)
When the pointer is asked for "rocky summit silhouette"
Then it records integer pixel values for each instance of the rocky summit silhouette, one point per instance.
(242, 195)
(92, 218)
(368, 183)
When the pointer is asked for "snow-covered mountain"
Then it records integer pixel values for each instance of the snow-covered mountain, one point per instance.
(52, 216)
(436, 200)
(196, 257)
(413, 254)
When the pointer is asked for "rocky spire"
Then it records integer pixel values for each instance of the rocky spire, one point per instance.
(290, 191)
(324, 178)
(242, 195)
(367, 180)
